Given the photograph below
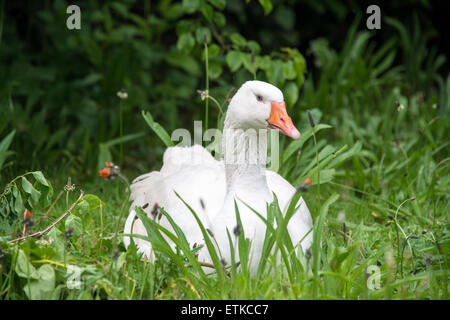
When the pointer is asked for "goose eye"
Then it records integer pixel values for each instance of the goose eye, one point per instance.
(259, 98)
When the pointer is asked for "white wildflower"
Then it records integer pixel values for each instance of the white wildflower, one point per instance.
(122, 94)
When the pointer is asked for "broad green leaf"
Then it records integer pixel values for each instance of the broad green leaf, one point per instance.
(247, 61)
(24, 268)
(275, 73)
(213, 50)
(157, 128)
(200, 33)
(40, 177)
(289, 70)
(43, 287)
(267, 6)
(186, 62)
(28, 188)
(254, 46)
(291, 94)
(185, 42)
(18, 202)
(74, 222)
(238, 40)
(219, 4)
(191, 5)
(215, 70)
(219, 19)
(234, 60)
(263, 62)
(207, 11)
(93, 201)
(4, 145)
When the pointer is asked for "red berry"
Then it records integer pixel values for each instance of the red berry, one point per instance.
(308, 181)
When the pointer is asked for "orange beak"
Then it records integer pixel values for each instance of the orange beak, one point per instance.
(280, 120)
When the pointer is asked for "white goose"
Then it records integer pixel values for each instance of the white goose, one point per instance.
(211, 187)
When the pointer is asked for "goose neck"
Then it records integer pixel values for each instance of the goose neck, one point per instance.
(245, 155)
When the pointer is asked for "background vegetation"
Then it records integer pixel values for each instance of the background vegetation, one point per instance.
(379, 100)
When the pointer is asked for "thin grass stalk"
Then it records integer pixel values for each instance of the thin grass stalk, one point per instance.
(121, 131)
(205, 42)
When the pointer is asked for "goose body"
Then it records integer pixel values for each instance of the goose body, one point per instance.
(212, 187)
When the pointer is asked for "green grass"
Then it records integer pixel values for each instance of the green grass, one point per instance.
(379, 224)
(378, 161)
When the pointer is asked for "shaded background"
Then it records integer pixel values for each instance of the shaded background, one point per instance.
(58, 87)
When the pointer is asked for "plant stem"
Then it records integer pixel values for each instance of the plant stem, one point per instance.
(317, 160)
(400, 252)
(41, 233)
(207, 84)
(121, 131)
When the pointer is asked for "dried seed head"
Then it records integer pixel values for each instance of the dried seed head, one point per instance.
(302, 187)
(202, 204)
(155, 210)
(237, 230)
(28, 222)
(210, 232)
(310, 118)
(68, 233)
(308, 254)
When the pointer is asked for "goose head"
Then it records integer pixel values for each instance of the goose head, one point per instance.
(260, 105)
